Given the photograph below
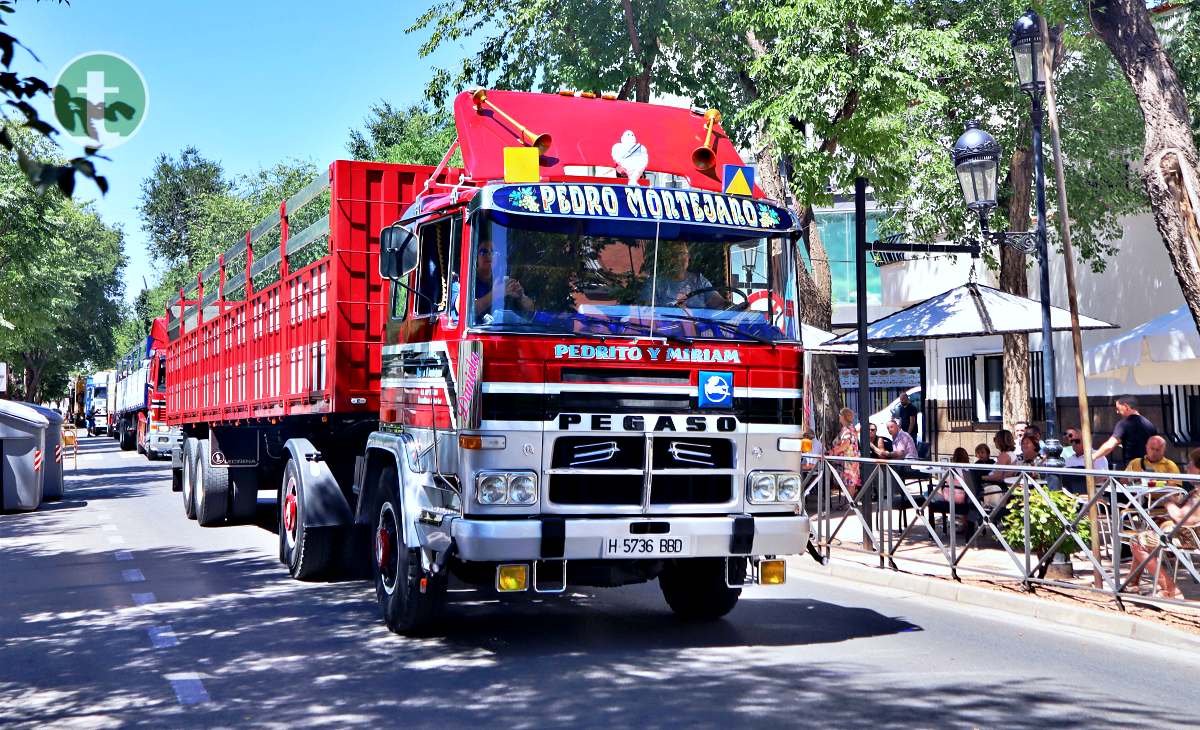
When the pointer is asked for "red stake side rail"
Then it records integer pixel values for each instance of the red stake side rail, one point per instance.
(308, 341)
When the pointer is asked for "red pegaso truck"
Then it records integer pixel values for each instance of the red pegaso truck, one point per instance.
(519, 377)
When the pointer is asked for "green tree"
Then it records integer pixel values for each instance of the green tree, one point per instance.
(170, 203)
(415, 135)
(211, 219)
(60, 285)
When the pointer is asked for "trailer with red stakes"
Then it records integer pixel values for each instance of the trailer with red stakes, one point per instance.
(574, 361)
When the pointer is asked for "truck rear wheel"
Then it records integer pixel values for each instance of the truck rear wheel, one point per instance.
(306, 551)
(211, 490)
(410, 599)
(189, 477)
(125, 435)
(695, 588)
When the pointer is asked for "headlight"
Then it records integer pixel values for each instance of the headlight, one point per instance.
(498, 487)
(773, 487)
(522, 489)
(493, 490)
(762, 488)
(788, 488)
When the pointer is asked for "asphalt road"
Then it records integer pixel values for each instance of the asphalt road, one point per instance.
(116, 610)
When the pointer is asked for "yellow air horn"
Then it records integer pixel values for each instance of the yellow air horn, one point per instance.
(541, 141)
(704, 157)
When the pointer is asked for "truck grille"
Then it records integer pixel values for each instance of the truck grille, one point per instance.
(610, 470)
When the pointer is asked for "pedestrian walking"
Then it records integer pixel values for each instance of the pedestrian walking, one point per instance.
(1131, 433)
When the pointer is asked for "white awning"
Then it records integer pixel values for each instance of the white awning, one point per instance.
(970, 310)
(1163, 351)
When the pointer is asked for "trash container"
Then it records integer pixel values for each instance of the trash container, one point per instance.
(52, 465)
(22, 455)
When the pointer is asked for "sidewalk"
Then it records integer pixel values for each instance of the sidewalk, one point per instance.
(988, 576)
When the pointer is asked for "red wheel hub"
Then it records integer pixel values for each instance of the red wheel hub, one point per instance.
(383, 548)
(289, 513)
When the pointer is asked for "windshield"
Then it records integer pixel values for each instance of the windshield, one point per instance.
(99, 392)
(575, 277)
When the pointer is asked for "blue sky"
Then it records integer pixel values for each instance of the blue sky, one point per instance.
(248, 83)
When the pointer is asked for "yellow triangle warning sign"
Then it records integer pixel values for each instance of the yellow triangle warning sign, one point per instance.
(738, 185)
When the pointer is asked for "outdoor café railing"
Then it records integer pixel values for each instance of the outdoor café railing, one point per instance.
(1127, 507)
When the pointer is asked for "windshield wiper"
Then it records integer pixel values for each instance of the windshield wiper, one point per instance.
(727, 326)
(525, 328)
(636, 326)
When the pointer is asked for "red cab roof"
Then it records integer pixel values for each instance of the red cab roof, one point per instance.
(583, 132)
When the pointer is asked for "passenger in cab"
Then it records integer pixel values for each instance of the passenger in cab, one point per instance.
(515, 298)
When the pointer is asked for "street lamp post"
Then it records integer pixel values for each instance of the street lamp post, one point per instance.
(976, 157)
(1025, 38)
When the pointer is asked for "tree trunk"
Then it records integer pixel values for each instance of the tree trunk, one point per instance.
(1014, 279)
(32, 382)
(816, 306)
(1169, 160)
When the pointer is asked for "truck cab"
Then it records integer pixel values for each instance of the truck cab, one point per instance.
(586, 379)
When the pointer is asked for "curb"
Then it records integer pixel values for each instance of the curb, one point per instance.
(1104, 622)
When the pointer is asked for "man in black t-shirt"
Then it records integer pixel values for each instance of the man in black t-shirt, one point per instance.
(1131, 432)
(906, 413)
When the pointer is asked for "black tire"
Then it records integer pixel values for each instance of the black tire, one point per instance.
(125, 436)
(695, 588)
(211, 490)
(243, 498)
(410, 599)
(307, 552)
(190, 447)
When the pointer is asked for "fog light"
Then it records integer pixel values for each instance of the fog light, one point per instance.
(512, 578)
(772, 572)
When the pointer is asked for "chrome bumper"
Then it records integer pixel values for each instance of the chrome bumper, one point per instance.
(500, 540)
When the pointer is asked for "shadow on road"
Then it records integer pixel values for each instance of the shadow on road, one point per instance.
(268, 648)
(76, 649)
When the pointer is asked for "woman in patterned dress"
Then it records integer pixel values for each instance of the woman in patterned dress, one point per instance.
(846, 444)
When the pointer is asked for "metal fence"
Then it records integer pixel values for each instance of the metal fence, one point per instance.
(898, 504)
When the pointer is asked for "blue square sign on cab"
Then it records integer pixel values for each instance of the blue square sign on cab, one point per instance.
(715, 389)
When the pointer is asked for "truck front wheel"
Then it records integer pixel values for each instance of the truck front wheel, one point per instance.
(696, 590)
(409, 598)
(190, 446)
(307, 551)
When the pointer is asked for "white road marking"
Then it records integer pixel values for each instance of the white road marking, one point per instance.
(116, 540)
(142, 599)
(188, 688)
(162, 637)
(130, 455)
(133, 576)
(123, 555)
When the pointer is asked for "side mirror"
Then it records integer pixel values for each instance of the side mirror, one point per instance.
(397, 252)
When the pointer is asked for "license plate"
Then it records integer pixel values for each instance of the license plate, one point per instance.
(656, 546)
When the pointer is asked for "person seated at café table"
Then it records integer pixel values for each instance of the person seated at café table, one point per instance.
(1155, 459)
(882, 442)
(960, 456)
(903, 446)
(1183, 510)
(983, 454)
(1005, 454)
(1075, 460)
(1030, 455)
